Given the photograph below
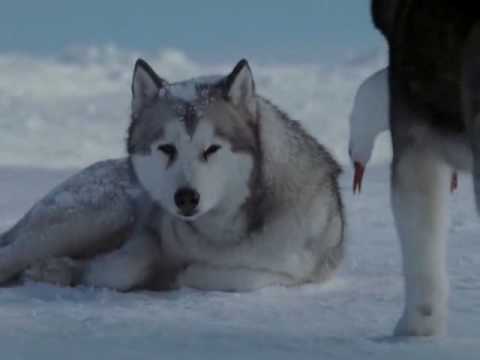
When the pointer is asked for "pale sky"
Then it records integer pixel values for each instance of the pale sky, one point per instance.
(307, 31)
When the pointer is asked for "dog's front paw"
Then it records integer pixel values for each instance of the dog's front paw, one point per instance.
(189, 277)
(57, 271)
(298, 265)
(423, 320)
(205, 277)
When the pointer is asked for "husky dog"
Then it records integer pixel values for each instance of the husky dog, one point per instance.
(221, 190)
(368, 119)
(434, 77)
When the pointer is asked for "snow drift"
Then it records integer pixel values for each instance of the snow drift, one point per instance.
(72, 109)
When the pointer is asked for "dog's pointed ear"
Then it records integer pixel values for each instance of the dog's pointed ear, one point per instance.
(238, 87)
(146, 85)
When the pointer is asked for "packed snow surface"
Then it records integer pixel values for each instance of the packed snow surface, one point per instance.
(350, 317)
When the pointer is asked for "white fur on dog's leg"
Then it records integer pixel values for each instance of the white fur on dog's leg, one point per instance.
(57, 271)
(207, 277)
(419, 202)
(126, 268)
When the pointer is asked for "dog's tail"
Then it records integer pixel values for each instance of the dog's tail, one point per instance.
(471, 101)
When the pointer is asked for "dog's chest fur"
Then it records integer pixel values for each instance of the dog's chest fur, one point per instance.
(185, 242)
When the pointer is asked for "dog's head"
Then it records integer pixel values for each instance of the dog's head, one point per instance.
(193, 144)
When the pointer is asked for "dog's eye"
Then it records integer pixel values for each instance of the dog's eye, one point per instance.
(168, 149)
(212, 149)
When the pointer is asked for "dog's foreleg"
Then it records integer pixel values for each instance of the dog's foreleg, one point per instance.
(419, 194)
(208, 277)
(279, 247)
(127, 268)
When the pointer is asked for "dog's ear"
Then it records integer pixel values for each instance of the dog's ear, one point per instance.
(239, 87)
(146, 85)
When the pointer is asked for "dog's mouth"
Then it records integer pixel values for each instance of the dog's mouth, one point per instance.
(188, 215)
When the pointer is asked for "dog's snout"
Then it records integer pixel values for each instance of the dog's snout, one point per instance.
(187, 200)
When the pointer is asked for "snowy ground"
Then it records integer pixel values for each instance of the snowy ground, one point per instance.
(350, 317)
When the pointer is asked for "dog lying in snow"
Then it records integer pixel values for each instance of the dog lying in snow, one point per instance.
(221, 190)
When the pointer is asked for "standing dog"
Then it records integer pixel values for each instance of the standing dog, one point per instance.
(221, 190)
(434, 77)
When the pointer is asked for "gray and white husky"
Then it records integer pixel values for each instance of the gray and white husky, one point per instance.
(434, 81)
(221, 190)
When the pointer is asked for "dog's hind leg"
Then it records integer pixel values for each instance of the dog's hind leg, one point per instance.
(86, 232)
(91, 212)
(61, 271)
(131, 266)
(419, 195)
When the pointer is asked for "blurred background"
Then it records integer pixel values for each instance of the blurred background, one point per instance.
(65, 66)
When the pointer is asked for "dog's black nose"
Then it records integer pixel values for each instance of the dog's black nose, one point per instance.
(187, 200)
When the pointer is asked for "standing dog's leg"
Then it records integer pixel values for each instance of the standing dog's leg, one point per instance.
(419, 188)
(419, 191)
(471, 98)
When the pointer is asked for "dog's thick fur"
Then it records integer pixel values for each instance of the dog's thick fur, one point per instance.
(221, 190)
(434, 77)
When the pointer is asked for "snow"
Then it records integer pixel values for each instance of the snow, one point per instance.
(73, 109)
(62, 113)
(350, 317)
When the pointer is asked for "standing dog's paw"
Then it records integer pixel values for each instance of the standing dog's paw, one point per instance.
(57, 271)
(424, 320)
